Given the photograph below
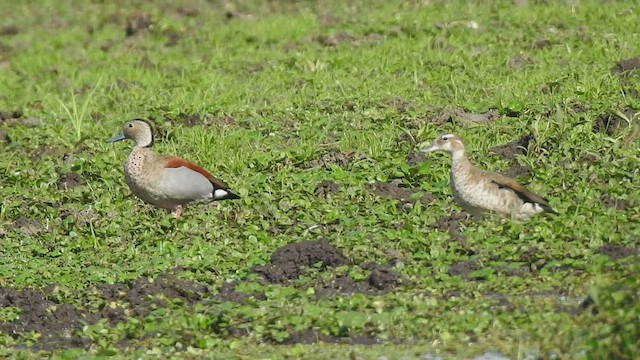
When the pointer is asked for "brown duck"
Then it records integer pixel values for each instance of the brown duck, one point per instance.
(478, 191)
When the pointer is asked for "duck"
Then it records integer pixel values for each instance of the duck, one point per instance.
(164, 181)
(479, 192)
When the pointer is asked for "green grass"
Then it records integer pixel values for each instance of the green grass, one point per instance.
(272, 98)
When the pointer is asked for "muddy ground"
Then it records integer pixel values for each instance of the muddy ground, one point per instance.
(42, 310)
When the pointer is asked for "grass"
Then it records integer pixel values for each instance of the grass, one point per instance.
(355, 87)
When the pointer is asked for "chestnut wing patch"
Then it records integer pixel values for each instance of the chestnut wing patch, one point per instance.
(176, 162)
(504, 182)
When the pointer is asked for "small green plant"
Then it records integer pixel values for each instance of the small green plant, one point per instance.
(9, 314)
(77, 116)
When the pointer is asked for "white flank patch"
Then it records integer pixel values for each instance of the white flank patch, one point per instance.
(219, 194)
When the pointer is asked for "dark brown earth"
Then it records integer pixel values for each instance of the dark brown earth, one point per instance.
(312, 337)
(70, 181)
(382, 277)
(173, 37)
(28, 227)
(516, 171)
(326, 188)
(9, 30)
(511, 150)
(4, 137)
(189, 120)
(520, 61)
(392, 190)
(228, 292)
(611, 202)
(45, 312)
(460, 245)
(465, 117)
(415, 158)
(626, 67)
(290, 261)
(610, 123)
(188, 11)
(542, 43)
(380, 280)
(534, 258)
(463, 268)
(333, 39)
(42, 312)
(137, 22)
(401, 105)
(334, 157)
(617, 252)
(15, 118)
(451, 223)
(10, 114)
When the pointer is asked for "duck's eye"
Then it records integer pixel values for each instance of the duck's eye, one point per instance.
(445, 138)
(130, 125)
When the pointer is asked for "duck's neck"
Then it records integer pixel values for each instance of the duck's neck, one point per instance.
(459, 161)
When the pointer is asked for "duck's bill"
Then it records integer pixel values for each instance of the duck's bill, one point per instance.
(429, 149)
(116, 138)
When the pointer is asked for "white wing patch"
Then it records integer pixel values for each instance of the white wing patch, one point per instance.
(219, 194)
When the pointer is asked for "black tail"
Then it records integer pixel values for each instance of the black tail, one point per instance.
(224, 194)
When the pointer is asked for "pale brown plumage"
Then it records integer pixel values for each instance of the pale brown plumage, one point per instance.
(478, 191)
(167, 182)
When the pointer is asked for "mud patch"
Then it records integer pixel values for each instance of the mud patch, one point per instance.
(334, 157)
(463, 269)
(14, 118)
(511, 150)
(187, 11)
(341, 286)
(10, 114)
(290, 261)
(173, 37)
(520, 61)
(137, 22)
(4, 138)
(326, 188)
(28, 227)
(222, 120)
(617, 252)
(613, 203)
(228, 293)
(459, 245)
(83, 217)
(626, 67)
(9, 30)
(382, 277)
(400, 105)
(452, 223)
(333, 40)
(534, 258)
(392, 190)
(415, 158)
(52, 321)
(465, 117)
(516, 171)
(542, 43)
(40, 311)
(339, 38)
(189, 120)
(139, 291)
(70, 181)
(312, 337)
(610, 123)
